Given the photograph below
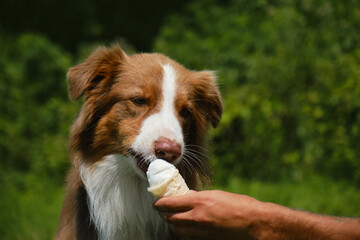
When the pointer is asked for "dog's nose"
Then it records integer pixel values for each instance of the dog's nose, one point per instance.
(167, 149)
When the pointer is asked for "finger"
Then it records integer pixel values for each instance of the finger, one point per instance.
(179, 218)
(174, 204)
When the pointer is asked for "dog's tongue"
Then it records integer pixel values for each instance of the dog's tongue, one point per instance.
(159, 171)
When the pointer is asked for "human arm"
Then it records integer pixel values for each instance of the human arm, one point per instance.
(223, 215)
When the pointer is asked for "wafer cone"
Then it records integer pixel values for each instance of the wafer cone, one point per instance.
(174, 186)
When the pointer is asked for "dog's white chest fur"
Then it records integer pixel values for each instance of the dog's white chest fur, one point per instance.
(119, 203)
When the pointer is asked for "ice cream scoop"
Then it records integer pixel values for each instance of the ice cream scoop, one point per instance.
(165, 180)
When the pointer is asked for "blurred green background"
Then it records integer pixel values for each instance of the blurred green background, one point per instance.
(289, 73)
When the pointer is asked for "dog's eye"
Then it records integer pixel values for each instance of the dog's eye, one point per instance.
(139, 101)
(185, 112)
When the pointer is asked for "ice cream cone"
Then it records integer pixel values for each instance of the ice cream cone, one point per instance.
(168, 181)
(174, 186)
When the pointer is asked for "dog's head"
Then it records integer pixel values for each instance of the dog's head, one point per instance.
(142, 106)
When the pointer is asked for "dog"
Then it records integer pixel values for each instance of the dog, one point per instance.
(136, 108)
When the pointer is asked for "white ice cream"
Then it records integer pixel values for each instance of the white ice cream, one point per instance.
(160, 171)
(165, 180)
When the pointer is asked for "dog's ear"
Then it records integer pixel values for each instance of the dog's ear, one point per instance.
(209, 93)
(99, 65)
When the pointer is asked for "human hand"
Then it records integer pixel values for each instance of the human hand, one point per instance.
(222, 215)
(210, 215)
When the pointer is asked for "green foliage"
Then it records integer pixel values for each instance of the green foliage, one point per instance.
(290, 77)
(316, 194)
(34, 122)
(30, 206)
(35, 113)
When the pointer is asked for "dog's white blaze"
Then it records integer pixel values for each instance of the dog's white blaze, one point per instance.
(163, 123)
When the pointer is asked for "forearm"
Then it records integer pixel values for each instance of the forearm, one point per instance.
(277, 222)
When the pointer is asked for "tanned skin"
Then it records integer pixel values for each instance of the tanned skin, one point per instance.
(223, 215)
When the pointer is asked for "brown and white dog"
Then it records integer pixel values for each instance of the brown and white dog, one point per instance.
(135, 108)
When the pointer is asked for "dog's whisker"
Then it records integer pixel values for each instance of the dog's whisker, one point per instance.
(192, 167)
(193, 151)
(198, 161)
(187, 167)
(197, 146)
(187, 164)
